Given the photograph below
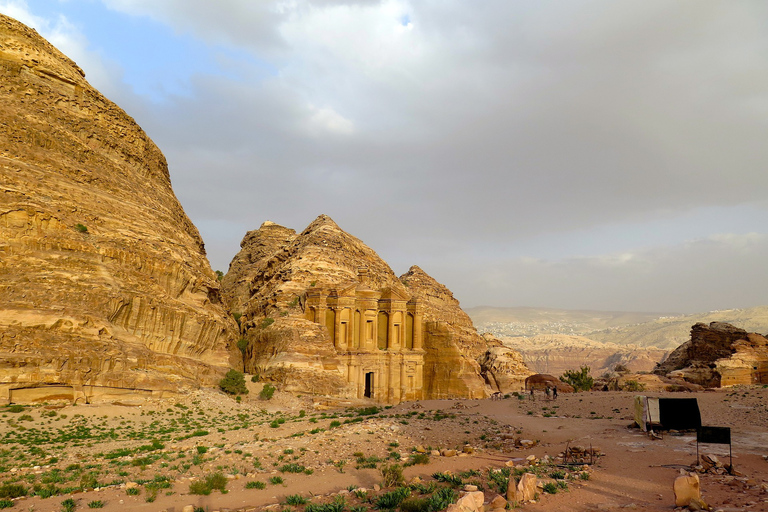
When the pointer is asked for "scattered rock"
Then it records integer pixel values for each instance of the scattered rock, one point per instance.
(686, 488)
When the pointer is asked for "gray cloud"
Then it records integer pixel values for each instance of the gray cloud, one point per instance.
(454, 135)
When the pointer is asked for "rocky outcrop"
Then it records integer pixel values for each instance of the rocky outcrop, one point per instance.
(503, 369)
(719, 354)
(324, 314)
(104, 283)
(453, 345)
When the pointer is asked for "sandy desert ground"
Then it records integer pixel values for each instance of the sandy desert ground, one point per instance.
(144, 456)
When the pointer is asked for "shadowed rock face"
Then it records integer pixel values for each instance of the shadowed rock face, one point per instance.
(719, 354)
(104, 281)
(287, 286)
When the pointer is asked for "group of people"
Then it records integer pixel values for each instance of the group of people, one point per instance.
(551, 392)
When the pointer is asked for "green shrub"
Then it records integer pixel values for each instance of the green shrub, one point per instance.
(216, 481)
(392, 475)
(295, 500)
(95, 504)
(133, 491)
(255, 485)
(267, 391)
(81, 228)
(199, 487)
(68, 505)
(415, 505)
(633, 386)
(267, 322)
(233, 383)
(580, 380)
(420, 458)
(393, 498)
(292, 468)
(15, 408)
(550, 488)
(255, 378)
(453, 480)
(12, 491)
(442, 498)
(334, 424)
(276, 480)
(6, 503)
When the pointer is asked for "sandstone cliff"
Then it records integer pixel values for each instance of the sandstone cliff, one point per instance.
(324, 314)
(104, 283)
(719, 354)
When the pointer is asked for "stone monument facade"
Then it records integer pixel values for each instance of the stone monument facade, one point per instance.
(378, 335)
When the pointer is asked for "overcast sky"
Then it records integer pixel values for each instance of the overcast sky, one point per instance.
(581, 154)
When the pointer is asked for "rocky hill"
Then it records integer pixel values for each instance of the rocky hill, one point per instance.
(104, 283)
(719, 354)
(323, 313)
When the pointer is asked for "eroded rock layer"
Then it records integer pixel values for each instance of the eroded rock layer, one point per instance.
(104, 284)
(719, 354)
(324, 314)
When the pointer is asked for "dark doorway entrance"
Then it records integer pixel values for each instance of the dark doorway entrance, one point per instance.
(368, 385)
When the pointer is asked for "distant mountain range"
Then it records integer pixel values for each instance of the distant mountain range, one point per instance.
(552, 340)
(661, 330)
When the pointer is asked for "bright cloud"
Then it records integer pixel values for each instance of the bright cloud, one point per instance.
(579, 154)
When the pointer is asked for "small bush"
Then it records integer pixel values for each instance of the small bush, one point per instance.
(255, 485)
(420, 458)
(95, 504)
(415, 505)
(393, 498)
(68, 505)
(295, 500)
(334, 424)
(267, 391)
(216, 481)
(580, 380)
(276, 480)
(255, 378)
(15, 408)
(633, 386)
(267, 322)
(233, 383)
(292, 468)
(392, 475)
(133, 491)
(442, 498)
(12, 491)
(81, 228)
(6, 503)
(550, 488)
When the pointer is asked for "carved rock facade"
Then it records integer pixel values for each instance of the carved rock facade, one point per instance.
(104, 283)
(718, 355)
(324, 314)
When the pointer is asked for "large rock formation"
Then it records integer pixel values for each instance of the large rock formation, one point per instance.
(324, 314)
(104, 283)
(719, 354)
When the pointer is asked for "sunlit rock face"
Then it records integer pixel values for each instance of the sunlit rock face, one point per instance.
(719, 354)
(324, 314)
(104, 283)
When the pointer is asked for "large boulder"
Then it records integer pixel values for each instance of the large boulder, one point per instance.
(719, 354)
(105, 286)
